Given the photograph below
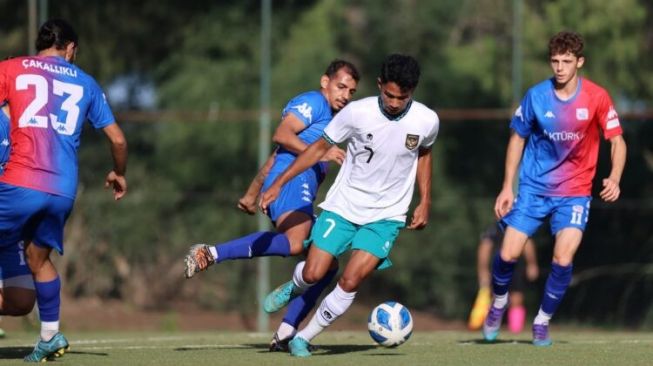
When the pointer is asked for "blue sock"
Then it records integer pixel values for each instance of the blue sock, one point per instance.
(300, 306)
(48, 299)
(555, 288)
(259, 244)
(501, 275)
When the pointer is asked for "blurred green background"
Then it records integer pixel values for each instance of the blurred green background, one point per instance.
(183, 78)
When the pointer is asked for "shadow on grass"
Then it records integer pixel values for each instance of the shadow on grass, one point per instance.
(329, 349)
(499, 341)
(18, 353)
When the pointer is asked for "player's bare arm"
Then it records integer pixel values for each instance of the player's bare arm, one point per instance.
(304, 161)
(514, 153)
(286, 134)
(247, 203)
(116, 177)
(611, 190)
(423, 177)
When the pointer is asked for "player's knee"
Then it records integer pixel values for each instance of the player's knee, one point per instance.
(563, 261)
(296, 247)
(19, 305)
(349, 283)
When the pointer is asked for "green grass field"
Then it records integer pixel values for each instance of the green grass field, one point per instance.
(341, 348)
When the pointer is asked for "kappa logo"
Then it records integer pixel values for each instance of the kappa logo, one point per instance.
(582, 114)
(5, 142)
(327, 315)
(613, 119)
(386, 246)
(519, 114)
(549, 114)
(369, 137)
(305, 110)
(411, 141)
(577, 208)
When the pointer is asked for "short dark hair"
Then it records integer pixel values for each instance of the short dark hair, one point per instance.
(57, 33)
(338, 64)
(400, 69)
(564, 42)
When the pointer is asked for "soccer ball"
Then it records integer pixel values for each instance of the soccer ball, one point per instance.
(390, 324)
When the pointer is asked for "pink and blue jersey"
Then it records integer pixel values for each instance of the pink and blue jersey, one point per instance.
(50, 99)
(563, 138)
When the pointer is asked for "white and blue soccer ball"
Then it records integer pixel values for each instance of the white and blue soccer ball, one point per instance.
(390, 324)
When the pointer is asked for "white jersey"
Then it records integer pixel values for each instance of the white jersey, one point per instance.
(377, 178)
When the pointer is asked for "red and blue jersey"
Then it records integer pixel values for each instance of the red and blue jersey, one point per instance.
(49, 99)
(563, 137)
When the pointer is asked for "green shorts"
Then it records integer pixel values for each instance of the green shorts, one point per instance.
(335, 235)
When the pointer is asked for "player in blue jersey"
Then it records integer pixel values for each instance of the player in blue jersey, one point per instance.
(554, 143)
(302, 122)
(50, 99)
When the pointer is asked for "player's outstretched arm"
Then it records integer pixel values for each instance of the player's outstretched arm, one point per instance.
(611, 190)
(305, 160)
(247, 203)
(424, 169)
(116, 177)
(514, 153)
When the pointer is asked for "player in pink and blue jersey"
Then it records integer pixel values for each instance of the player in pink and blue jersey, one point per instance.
(555, 142)
(49, 98)
(302, 122)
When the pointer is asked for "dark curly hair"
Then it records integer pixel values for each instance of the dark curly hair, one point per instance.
(564, 42)
(400, 69)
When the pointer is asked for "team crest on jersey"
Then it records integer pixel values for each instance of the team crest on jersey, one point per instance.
(582, 114)
(411, 141)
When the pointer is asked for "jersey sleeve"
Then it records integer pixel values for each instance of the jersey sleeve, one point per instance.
(99, 112)
(524, 117)
(607, 117)
(341, 126)
(4, 90)
(306, 107)
(429, 140)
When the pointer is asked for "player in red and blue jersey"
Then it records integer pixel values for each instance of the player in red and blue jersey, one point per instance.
(49, 99)
(302, 122)
(557, 129)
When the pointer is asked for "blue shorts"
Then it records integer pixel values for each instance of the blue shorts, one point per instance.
(530, 210)
(296, 195)
(40, 217)
(14, 271)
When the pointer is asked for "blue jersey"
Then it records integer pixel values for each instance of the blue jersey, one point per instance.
(4, 140)
(300, 192)
(313, 109)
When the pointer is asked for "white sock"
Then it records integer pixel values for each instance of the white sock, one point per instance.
(333, 305)
(542, 318)
(285, 331)
(500, 301)
(49, 329)
(214, 251)
(298, 278)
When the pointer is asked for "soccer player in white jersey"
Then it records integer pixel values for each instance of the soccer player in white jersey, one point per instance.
(389, 141)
